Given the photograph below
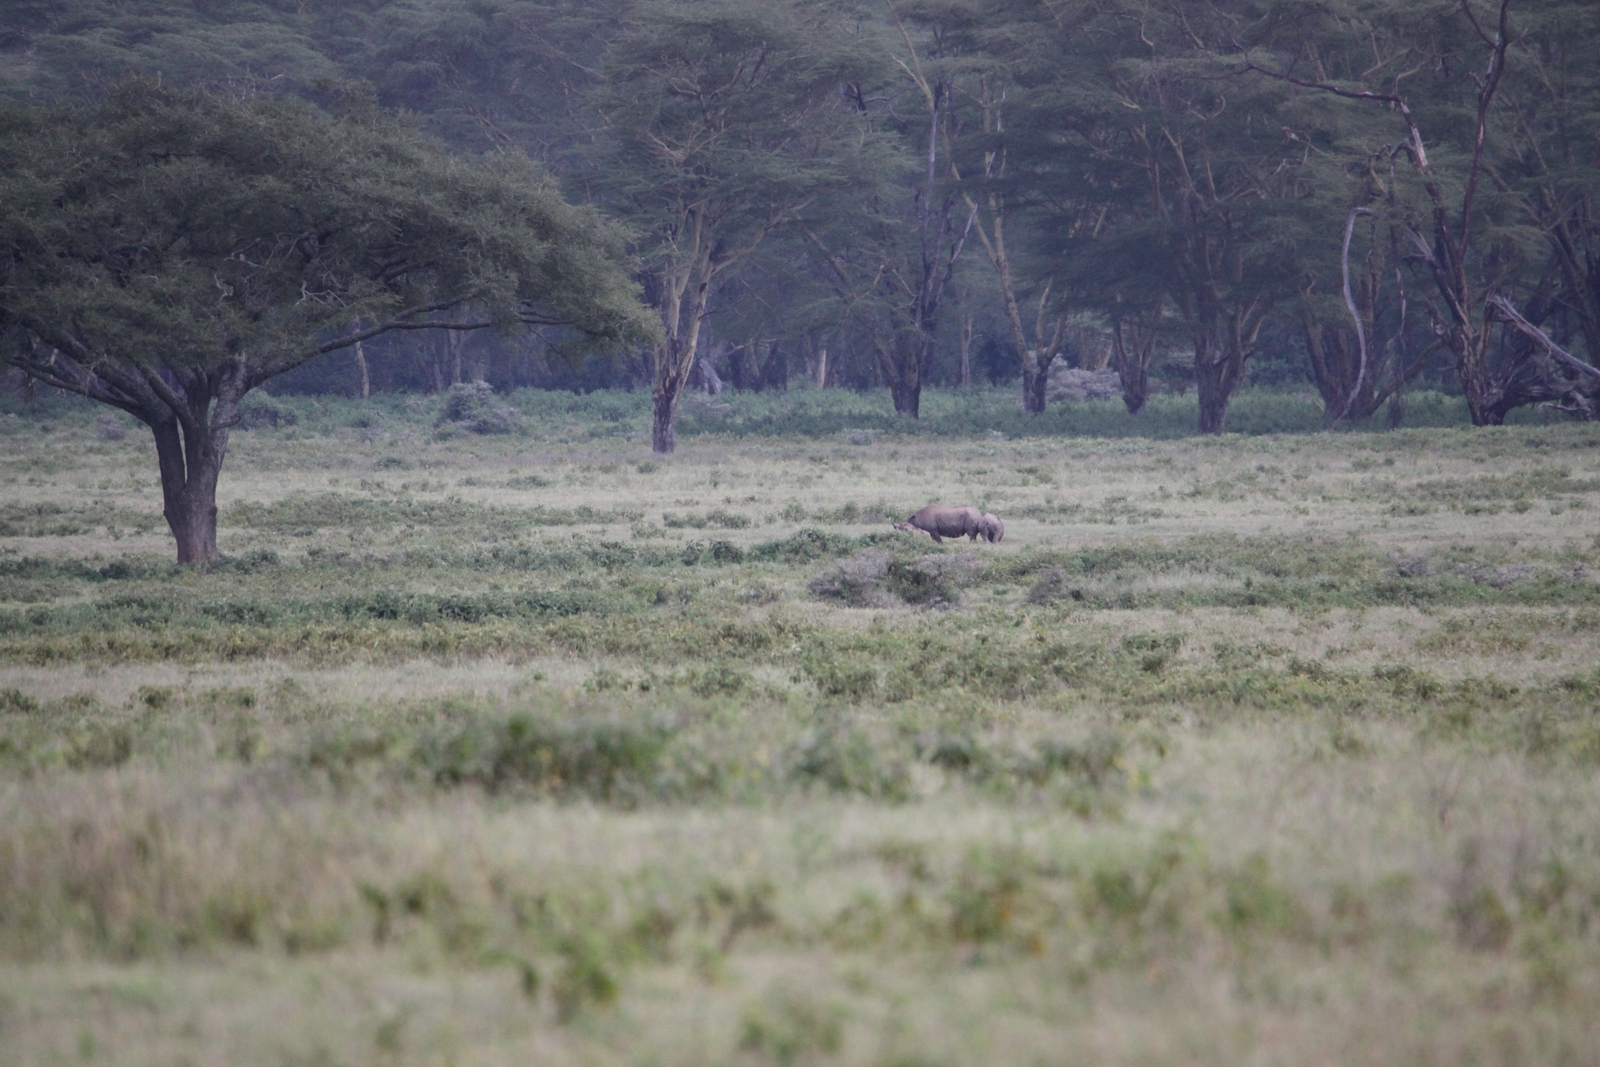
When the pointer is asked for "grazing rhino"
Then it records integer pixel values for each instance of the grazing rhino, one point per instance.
(945, 520)
(992, 528)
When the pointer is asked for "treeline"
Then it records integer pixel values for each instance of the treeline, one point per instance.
(900, 193)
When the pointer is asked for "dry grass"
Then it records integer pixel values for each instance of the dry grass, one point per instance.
(1293, 762)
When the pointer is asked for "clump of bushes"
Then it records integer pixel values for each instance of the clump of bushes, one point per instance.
(1054, 584)
(263, 412)
(1497, 577)
(110, 427)
(933, 580)
(876, 578)
(803, 546)
(856, 582)
(470, 406)
(613, 760)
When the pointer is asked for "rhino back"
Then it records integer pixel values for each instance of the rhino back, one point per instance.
(947, 520)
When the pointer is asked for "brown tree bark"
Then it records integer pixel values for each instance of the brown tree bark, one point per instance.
(819, 372)
(966, 348)
(1223, 346)
(903, 362)
(664, 424)
(361, 366)
(1133, 342)
(189, 488)
(191, 426)
(775, 372)
(683, 293)
(1035, 379)
(1038, 352)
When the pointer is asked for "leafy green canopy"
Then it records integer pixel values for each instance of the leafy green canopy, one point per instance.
(189, 230)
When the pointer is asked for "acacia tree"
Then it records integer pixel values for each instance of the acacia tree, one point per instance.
(166, 252)
(991, 207)
(723, 121)
(1164, 182)
(893, 250)
(1478, 179)
(1355, 318)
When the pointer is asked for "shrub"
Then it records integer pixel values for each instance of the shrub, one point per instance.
(261, 412)
(856, 582)
(716, 518)
(470, 406)
(613, 760)
(847, 761)
(931, 580)
(109, 427)
(803, 546)
(1053, 584)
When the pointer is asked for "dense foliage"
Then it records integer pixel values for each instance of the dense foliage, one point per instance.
(1372, 192)
(166, 252)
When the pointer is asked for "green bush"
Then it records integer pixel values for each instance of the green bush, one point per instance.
(470, 406)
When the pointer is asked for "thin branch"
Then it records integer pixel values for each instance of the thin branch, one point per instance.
(1491, 83)
(1355, 314)
(1419, 153)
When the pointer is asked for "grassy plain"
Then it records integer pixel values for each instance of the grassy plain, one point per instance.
(537, 748)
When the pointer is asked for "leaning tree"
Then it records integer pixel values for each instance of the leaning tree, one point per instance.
(165, 252)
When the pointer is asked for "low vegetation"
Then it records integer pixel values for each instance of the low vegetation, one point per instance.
(489, 746)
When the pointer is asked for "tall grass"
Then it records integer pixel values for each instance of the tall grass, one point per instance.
(531, 746)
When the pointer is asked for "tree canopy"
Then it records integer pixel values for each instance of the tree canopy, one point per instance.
(1373, 188)
(169, 250)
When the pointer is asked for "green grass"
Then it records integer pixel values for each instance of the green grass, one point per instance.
(1279, 746)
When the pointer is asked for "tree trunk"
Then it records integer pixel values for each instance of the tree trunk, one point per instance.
(1094, 352)
(1347, 391)
(1131, 349)
(361, 365)
(454, 341)
(1213, 404)
(901, 363)
(190, 464)
(664, 430)
(1215, 376)
(907, 398)
(672, 374)
(1036, 357)
(674, 359)
(821, 375)
(775, 374)
(1471, 349)
(1135, 388)
(1035, 379)
(1224, 341)
(685, 296)
(966, 348)
(739, 368)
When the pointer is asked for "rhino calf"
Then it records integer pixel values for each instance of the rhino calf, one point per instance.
(945, 520)
(991, 528)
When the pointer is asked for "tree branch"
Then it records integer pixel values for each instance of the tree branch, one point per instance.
(1491, 83)
(1500, 307)
(1355, 314)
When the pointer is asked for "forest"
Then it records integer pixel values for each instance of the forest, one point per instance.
(1362, 195)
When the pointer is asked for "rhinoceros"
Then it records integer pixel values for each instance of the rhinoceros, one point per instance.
(991, 528)
(945, 520)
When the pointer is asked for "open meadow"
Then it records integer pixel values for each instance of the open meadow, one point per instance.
(531, 747)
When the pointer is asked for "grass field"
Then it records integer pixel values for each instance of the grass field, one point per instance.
(1275, 748)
